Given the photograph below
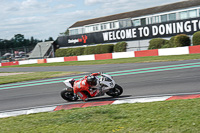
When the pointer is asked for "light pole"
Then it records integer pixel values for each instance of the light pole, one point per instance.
(40, 51)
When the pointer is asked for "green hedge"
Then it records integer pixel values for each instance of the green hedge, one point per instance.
(120, 47)
(98, 49)
(167, 44)
(175, 41)
(171, 41)
(196, 38)
(108, 48)
(70, 52)
(89, 50)
(182, 40)
(157, 43)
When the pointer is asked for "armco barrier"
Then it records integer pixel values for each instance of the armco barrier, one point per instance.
(86, 57)
(10, 63)
(103, 56)
(24, 62)
(71, 58)
(155, 52)
(173, 51)
(194, 49)
(59, 59)
(123, 55)
(143, 53)
(40, 61)
(33, 61)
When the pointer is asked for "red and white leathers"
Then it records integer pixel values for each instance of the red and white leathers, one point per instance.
(82, 85)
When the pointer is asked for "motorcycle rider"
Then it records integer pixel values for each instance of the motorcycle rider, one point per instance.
(90, 83)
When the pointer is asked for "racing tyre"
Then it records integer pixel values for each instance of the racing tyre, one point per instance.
(116, 91)
(69, 96)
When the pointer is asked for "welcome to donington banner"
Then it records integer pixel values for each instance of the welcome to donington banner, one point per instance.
(166, 29)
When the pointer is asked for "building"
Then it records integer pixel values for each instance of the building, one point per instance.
(136, 27)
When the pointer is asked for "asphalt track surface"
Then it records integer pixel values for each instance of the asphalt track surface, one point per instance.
(137, 79)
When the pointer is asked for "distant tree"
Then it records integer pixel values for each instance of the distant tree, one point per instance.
(32, 41)
(18, 40)
(1, 43)
(66, 33)
(50, 39)
(19, 37)
(6, 44)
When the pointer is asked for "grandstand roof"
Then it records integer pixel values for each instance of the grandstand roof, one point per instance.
(138, 13)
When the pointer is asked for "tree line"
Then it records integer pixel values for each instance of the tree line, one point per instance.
(19, 41)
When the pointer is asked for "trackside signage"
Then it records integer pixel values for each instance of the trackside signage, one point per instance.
(166, 29)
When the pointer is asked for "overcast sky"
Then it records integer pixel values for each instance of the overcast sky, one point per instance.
(48, 18)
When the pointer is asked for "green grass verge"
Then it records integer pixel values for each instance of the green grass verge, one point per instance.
(178, 116)
(33, 76)
(118, 61)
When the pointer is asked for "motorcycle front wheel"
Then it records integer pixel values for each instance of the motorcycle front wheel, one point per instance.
(116, 91)
(68, 96)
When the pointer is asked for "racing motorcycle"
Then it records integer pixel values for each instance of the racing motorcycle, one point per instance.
(106, 84)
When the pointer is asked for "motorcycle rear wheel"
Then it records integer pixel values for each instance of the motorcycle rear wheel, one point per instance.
(116, 91)
(68, 96)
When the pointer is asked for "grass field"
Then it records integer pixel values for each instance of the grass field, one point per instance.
(178, 116)
(33, 76)
(118, 61)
